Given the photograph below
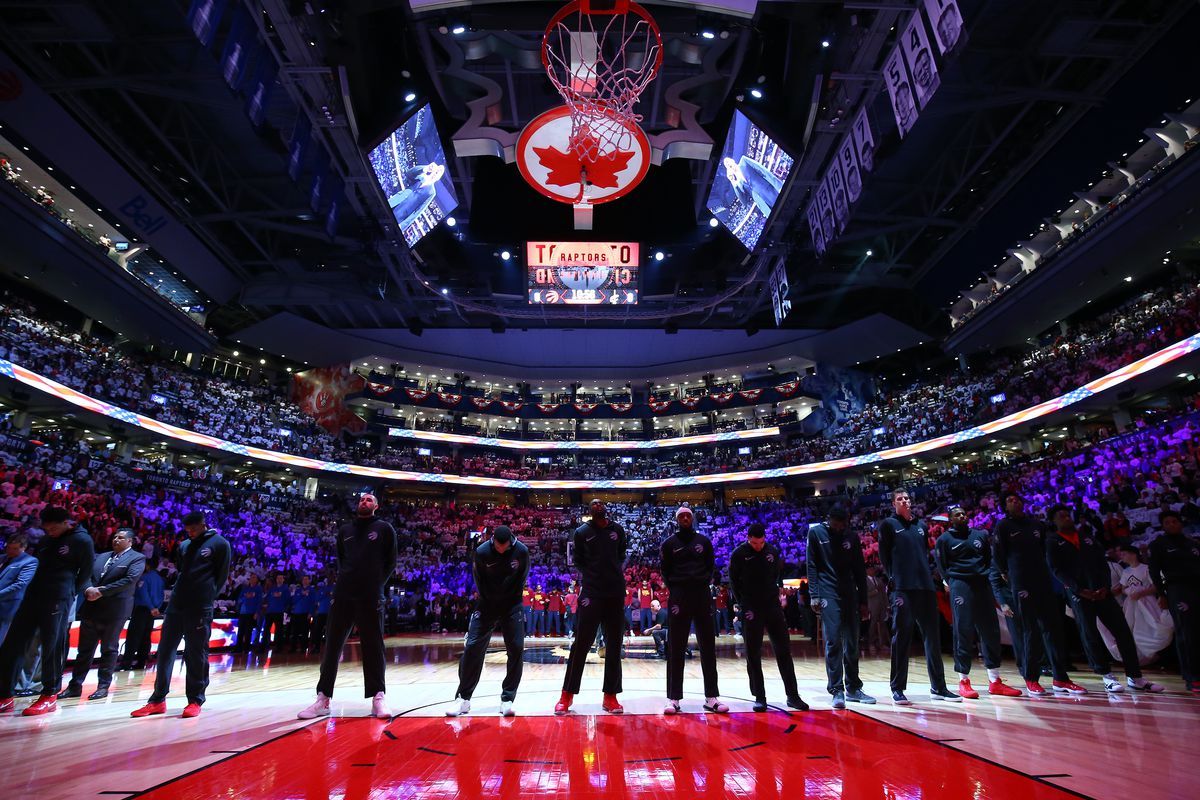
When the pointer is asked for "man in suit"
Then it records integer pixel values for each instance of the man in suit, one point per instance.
(108, 602)
(16, 571)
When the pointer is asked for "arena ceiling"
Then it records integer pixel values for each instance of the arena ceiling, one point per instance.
(1027, 78)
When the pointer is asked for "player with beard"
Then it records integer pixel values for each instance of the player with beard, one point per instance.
(366, 550)
(687, 568)
(599, 547)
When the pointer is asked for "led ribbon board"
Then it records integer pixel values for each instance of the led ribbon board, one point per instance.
(1101, 384)
(520, 444)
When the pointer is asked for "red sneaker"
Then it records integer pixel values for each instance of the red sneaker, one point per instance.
(44, 705)
(191, 710)
(1035, 689)
(965, 690)
(563, 706)
(612, 705)
(8, 705)
(1068, 687)
(149, 710)
(999, 687)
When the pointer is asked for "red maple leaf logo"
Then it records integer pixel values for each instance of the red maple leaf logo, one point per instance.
(566, 168)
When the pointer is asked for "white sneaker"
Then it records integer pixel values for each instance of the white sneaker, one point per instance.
(715, 705)
(1112, 685)
(506, 708)
(319, 708)
(1143, 685)
(671, 708)
(379, 706)
(461, 710)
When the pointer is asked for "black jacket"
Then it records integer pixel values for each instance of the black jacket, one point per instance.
(687, 559)
(599, 554)
(1021, 551)
(835, 565)
(1083, 567)
(64, 565)
(904, 552)
(967, 555)
(1175, 561)
(203, 565)
(754, 576)
(366, 551)
(500, 577)
(116, 584)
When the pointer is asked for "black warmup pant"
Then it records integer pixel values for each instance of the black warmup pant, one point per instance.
(769, 617)
(479, 636)
(1017, 636)
(916, 606)
(245, 634)
(974, 613)
(298, 632)
(691, 605)
(1184, 602)
(1109, 612)
(269, 639)
(1039, 617)
(103, 630)
(319, 624)
(194, 627)
(594, 613)
(366, 614)
(839, 622)
(46, 618)
(137, 638)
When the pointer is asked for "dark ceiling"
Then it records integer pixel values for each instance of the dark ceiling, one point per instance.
(1027, 76)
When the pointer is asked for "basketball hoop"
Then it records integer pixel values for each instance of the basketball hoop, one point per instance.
(601, 57)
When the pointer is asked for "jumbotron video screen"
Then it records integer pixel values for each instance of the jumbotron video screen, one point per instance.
(583, 273)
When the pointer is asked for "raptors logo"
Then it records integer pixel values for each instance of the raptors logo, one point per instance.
(1087, 541)
(977, 544)
(846, 544)
(897, 601)
(1024, 595)
(675, 611)
(514, 564)
(698, 547)
(1182, 606)
(587, 601)
(749, 616)
(206, 552)
(771, 557)
(373, 535)
(960, 600)
(613, 536)
(1037, 534)
(63, 550)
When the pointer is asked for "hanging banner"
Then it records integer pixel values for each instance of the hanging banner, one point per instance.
(751, 394)
(238, 46)
(724, 397)
(547, 408)
(659, 406)
(511, 405)
(586, 408)
(321, 394)
(337, 196)
(481, 402)
(837, 194)
(621, 408)
(814, 227)
(904, 105)
(781, 304)
(946, 21)
(204, 17)
(864, 140)
(827, 221)
(921, 66)
(788, 389)
(417, 395)
(378, 388)
(319, 189)
(258, 93)
(852, 178)
(298, 146)
(689, 402)
(449, 399)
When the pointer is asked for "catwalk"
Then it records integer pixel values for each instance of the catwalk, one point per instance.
(248, 743)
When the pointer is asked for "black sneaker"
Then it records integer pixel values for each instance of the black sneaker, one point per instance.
(859, 696)
(797, 703)
(839, 700)
(70, 691)
(944, 694)
(899, 699)
(760, 704)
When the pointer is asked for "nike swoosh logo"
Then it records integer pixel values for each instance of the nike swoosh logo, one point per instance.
(955, 546)
(679, 549)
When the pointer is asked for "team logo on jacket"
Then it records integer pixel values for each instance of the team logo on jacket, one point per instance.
(977, 544)
(675, 611)
(206, 552)
(1182, 606)
(846, 544)
(1024, 595)
(823, 602)
(771, 558)
(62, 551)
(1088, 541)
(698, 547)
(613, 536)
(898, 601)
(514, 564)
(749, 616)
(587, 601)
(1195, 551)
(960, 601)
(1037, 534)
(373, 535)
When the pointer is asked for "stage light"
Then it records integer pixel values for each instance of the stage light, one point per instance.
(445, 290)
(712, 222)
(825, 43)
(708, 34)
(505, 255)
(236, 353)
(1129, 279)
(408, 98)
(659, 255)
(870, 253)
(756, 94)
(451, 222)
(458, 30)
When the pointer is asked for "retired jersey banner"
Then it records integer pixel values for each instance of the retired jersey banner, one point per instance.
(864, 141)
(904, 105)
(852, 177)
(946, 21)
(924, 72)
(826, 206)
(837, 194)
(814, 227)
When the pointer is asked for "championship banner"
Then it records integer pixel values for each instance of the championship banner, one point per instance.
(722, 397)
(658, 406)
(547, 408)
(924, 71)
(864, 140)
(416, 395)
(482, 402)
(814, 226)
(904, 106)
(621, 408)
(850, 173)
(837, 194)
(585, 408)
(449, 399)
(946, 20)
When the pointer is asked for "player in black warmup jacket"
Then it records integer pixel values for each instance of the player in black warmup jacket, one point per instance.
(837, 587)
(65, 556)
(366, 550)
(964, 557)
(599, 551)
(904, 552)
(754, 575)
(1175, 570)
(687, 568)
(501, 567)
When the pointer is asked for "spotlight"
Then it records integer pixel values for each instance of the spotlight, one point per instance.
(825, 43)
(408, 98)
(458, 30)
(870, 253)
(712, 222)
(756, 94)
(505, 255)
(445, 290)
(451, 222)
(708, 34)
(1129, 279)
(659, 255)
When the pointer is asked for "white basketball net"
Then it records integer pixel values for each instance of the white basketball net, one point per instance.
(601, 63)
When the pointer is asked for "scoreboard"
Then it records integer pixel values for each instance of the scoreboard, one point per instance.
(582, 273)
